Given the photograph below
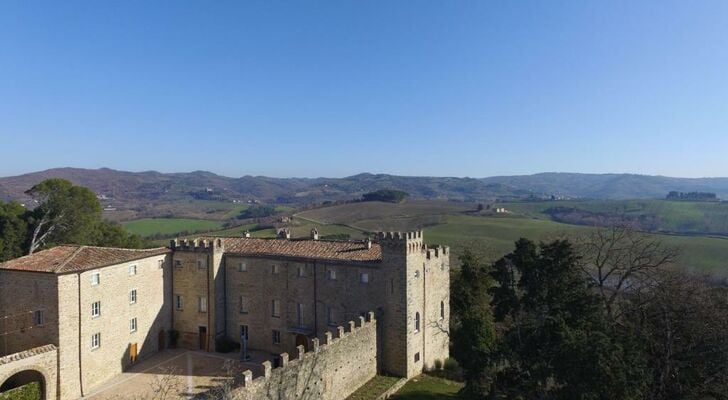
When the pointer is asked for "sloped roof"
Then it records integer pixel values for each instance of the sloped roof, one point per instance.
(75, 258)
(333, 250)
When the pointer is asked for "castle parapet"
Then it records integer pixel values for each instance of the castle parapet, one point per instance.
(196, 244)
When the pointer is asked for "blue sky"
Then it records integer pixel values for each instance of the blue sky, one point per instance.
(334, 88)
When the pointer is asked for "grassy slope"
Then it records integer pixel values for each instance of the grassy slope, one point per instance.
(151, 226)
(674, 216)
(426, 387)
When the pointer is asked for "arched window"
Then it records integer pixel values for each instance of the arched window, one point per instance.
(417, 322)
(442, 310)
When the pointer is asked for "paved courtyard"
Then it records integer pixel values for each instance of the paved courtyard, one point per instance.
(178, 372)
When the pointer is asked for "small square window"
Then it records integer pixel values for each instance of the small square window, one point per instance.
(364, 277)
(274, 269)
(160, 264)
(417, 357)
(202, 304)
(96, 340)
(132, 296)
(242, 267)
(276, 337)
(201, 264)
(95, 278)
(301, 271)
(332, 274)
(178, 263)
(95, 309)
(132, 325)
(417, 273)
(133, 269)
(38, 317)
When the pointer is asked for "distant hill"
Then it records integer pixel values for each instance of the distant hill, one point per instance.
(610, 186)
(145, 189)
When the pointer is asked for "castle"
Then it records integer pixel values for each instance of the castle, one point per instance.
(74, 317)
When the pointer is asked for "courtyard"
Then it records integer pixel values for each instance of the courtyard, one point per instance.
(178, 373)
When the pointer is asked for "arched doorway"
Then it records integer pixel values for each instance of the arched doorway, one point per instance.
(302, 340)
(23, 378)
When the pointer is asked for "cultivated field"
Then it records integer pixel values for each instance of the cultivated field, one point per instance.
(169, 226)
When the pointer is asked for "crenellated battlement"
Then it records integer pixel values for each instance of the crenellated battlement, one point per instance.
(334, 354)
(202, 245)
(395, 237)
(437, 252)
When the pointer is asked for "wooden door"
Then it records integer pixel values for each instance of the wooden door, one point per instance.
(203, 337)
(161, 340)
(132, 352)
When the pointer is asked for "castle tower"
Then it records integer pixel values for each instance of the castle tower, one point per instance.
(416, 314)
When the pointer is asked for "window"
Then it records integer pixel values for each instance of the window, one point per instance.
(417, 357)
(391, 286)
(132, 325)
(331, 316)
(299, 313)
(178, 263)
(332, 275)
(38, 317)
(417, 322)
(274, 269)
(242, 267)
(95, 278)
(160, 264)
(202, 304)
(132, 296)
(276, 308)
(201, 264)
(133, 269)
(243, 305)
(178, 302)
(244, 332)
(442, 310)
(364, 277)
(95, 309)
(276, 337)
(301, 271)
(417, 273)
(96, 340)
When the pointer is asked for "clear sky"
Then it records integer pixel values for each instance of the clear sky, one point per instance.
(334, 88)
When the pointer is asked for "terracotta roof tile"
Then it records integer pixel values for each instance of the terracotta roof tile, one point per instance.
(74, 258)
(347, 251)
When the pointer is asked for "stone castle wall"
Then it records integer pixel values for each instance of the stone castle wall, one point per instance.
(330, 371)
(41, 359)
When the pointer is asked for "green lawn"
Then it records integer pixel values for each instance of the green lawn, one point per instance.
(426, 387)
(169, 226)
(374, 388)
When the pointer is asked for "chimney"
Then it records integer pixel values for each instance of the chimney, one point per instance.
(369, 243)
(284, 233)
(246, 234)
(314, 234)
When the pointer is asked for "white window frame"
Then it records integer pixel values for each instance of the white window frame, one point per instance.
(331, 275)
(275, 308)
(133, 325)
(275, 269)
(95, 278)
(96, 309)
(417, 322)
(201, 264)
(331, 316)
(96, 340)
(133, 296)
(364, 277)
(300, 314)
(243, 305)
(301, 271)
(276, 337)
(179, 302)
(132, 270)
(242, 266)
(202, 304)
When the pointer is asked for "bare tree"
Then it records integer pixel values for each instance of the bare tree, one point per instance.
(619, 260)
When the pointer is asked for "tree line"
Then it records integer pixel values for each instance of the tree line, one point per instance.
(605, 317)
(63, 214)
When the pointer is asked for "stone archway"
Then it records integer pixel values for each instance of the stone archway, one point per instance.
(25, 377)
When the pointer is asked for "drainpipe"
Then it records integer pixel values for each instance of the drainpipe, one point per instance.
(315, 301)
(210, 329)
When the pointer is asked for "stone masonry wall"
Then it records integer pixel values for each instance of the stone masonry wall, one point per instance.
(42, 359)
(330, 371)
